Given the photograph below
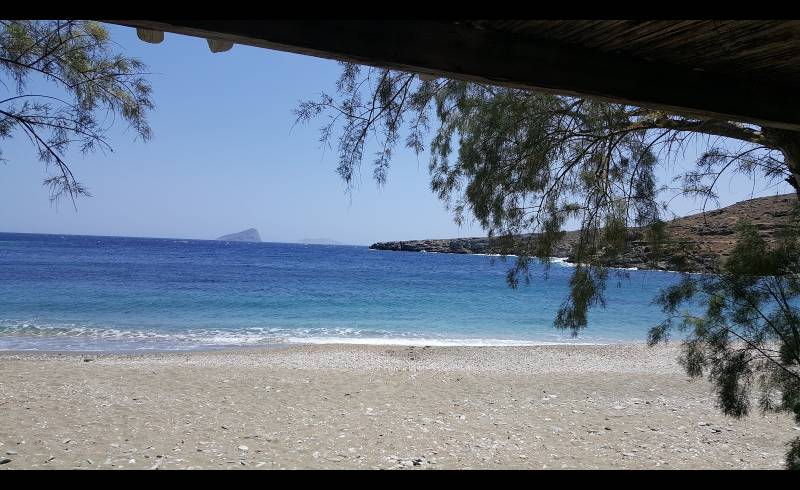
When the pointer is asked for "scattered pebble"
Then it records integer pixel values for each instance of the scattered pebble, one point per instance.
(495, 419)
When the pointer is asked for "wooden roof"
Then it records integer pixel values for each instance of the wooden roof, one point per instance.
(746, 70)
(765, 50)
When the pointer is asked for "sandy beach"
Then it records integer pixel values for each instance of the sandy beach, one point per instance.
(356, 406)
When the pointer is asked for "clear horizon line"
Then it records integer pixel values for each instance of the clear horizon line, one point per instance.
(182, 238)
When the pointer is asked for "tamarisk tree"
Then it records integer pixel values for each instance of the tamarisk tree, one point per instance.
(525, 164)
(89, 78)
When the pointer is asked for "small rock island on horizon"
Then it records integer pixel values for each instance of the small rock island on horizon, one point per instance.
(248, 235)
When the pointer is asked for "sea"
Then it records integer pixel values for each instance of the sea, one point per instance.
(119, 294)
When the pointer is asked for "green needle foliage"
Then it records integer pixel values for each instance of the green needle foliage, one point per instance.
(78, 59)
(524, 164)
(748, 336)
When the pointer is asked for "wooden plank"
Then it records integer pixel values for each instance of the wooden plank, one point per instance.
(458, 51)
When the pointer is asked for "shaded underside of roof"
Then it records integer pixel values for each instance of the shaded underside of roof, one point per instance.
(763, 50)
(745, 70)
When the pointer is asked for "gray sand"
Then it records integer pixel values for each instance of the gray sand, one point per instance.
(346, 406)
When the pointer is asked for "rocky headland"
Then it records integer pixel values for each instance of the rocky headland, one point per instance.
(693, 243)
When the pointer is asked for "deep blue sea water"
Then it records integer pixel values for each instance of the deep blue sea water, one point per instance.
(68, 292)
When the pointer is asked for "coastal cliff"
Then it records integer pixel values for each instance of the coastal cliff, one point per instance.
(693, 243)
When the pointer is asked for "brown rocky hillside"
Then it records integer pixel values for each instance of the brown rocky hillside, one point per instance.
(692, 243)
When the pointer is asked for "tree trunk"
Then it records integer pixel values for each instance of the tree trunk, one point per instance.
(794, 167)
(789, 144)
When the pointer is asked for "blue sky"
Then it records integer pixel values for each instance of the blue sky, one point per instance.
(226, 156)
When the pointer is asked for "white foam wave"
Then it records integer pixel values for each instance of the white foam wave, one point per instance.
(21, 335)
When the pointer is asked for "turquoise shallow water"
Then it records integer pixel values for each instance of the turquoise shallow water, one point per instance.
(66, 292)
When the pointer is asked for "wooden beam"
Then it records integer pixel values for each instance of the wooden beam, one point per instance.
(452, 50)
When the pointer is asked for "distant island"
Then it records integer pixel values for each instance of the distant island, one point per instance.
(693, 243)
(319, 241)
(248, 235)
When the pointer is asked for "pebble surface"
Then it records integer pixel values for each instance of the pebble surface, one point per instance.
(347, 406)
